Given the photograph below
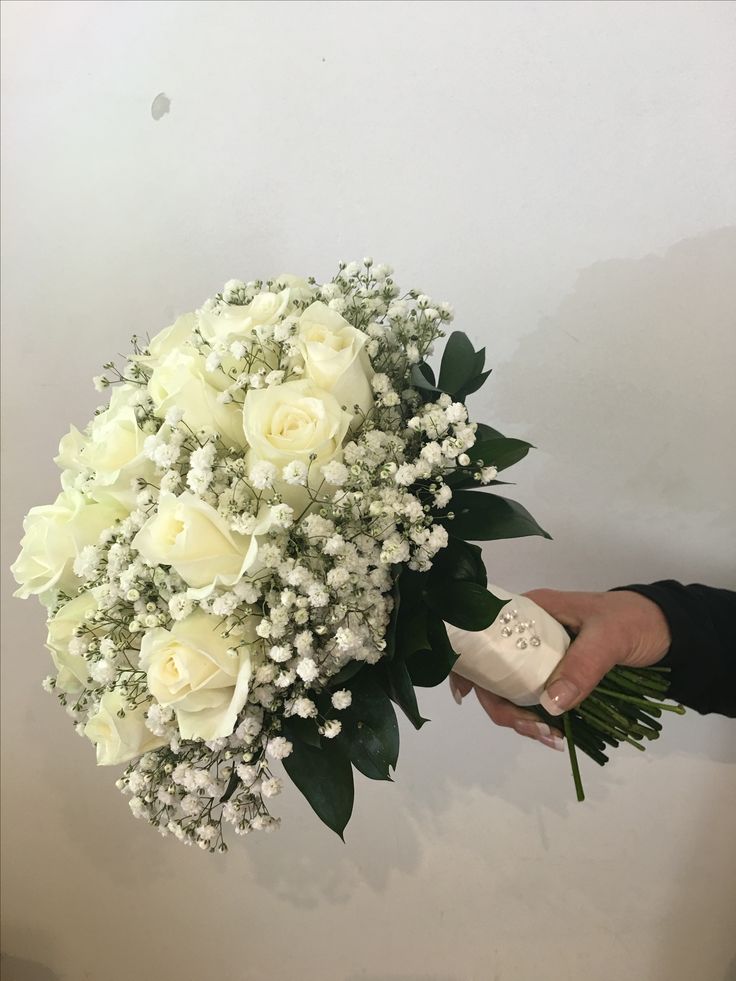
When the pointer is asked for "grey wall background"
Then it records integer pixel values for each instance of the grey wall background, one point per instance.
(564, 175)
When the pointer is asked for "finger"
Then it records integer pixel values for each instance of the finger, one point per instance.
(459, 687)
(590, 656)
(510, 716)
(501, 711)
(570, 608)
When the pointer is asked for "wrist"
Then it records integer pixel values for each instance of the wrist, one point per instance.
(651, 637)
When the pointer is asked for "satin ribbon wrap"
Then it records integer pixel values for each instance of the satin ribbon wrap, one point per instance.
(498, 662)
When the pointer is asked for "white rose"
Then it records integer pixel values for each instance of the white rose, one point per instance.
(181, 380)
(195, 540)
(115, 439)
(54, 536)
(269, 308)
(114, 451)
(335, 357)
(227, 321)
(70, 450)
(299, 287)
(189, 668)
(119, 740)
(169, 339)
(73, 669)
(111, 448)
(292, 421)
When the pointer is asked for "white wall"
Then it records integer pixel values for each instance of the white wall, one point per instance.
(562, 173)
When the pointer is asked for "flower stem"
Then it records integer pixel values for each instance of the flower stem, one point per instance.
(643, 702)
(624, 708)
(573, 757)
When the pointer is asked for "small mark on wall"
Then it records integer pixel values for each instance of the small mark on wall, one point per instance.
(160, 106)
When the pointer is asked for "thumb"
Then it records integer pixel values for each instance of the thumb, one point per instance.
(570, 608)
(590, 656)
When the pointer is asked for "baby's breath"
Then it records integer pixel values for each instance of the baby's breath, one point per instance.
(315, 541)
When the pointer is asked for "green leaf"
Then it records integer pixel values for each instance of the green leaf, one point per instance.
(305, 730)
(231, 785)
(370, 730)
(420, 380)
(460, 479)
(396, 682)
(487, 517)
(348, 671)
(483, 432)
(325, 777)
(411, 623)
(472, 385)
(431, 667)
(458, 363)
(458, 560)
(395, 613)
(411, 630)
(501, 452)
(426, 370)
(465, 604)
(412, 586)
(411, 634)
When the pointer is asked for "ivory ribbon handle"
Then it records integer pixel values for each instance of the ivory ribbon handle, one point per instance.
(515, 656)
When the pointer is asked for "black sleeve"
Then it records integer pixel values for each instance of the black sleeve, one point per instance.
(702, 657)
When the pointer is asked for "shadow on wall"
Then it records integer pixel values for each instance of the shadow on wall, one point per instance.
(629, 384)
(17, 969)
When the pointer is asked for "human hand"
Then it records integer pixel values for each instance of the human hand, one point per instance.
(611, 628)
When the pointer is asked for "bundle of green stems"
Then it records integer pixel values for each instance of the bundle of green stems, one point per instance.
(625, 707)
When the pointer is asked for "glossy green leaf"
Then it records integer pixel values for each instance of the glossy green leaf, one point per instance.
(395, 613)
(483, 432)
(465, 604)
(305, 730)
(396, 682)
(427, 371)
(370, 730)
(472, 385)
(325, 777)
(411, 622)
(428, 668)
(411, 630)
(458, 560)
(462, 479)
(412, 586)
(501, 452)
(420, 380)
(458, 363)
(231, 785)
(350, 670)
(483, 516)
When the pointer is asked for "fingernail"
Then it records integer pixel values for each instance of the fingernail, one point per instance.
(455, 691)
(559, 696)
(554, 742)
(534, 729)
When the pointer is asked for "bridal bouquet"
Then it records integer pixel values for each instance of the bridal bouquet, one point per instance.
(259, 541)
